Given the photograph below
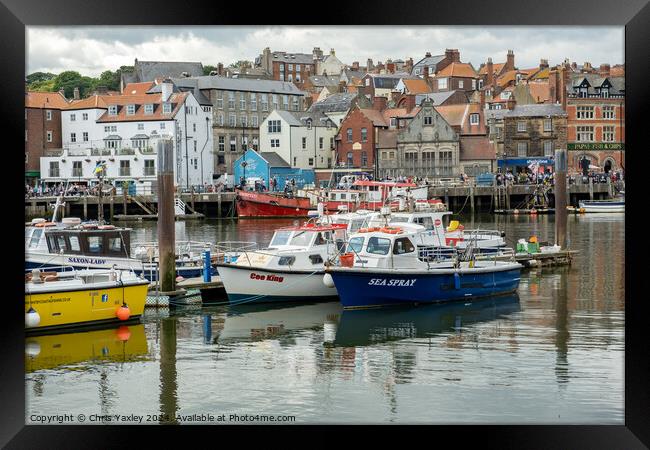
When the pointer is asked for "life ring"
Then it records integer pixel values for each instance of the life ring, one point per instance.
(45, 224)
(106, 227)
(391, 230)
(363, 230)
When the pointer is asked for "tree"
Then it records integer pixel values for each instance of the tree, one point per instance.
(69, 80)
(241, 63)
(208, 69)
(38, 77)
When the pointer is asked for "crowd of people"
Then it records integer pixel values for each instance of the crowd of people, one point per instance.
(74, 189)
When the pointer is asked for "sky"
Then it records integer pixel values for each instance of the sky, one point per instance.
(92, 50)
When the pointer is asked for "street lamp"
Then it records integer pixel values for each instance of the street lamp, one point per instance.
(244, 164)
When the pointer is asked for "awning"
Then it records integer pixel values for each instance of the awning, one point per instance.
(525, 161)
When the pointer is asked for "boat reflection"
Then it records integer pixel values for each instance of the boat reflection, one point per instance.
(373, 326)
(122, 344)
(264, 321)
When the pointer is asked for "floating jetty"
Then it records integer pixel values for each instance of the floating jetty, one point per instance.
(138, 217)
(516, 212)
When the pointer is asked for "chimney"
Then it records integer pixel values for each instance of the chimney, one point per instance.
(574, 66)
(425, 73)
(166, 90)
(586, 67)
(456, 55)
(510, 103)
(220, 67)
(489, 67)
(409, 65)
(482, 99)
(355, 66)
(603, 71)
(452, 55)
(332, 52)
(510, 60)
(62, 92)
(543, 64)
(369, 65)
(75, 94)
(390, 67)
(379, 103)
(317, 53)
(427, 55)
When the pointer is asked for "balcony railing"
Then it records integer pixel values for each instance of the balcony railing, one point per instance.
(147, 151)
(126, 151)
(101, 152)
(54, 152)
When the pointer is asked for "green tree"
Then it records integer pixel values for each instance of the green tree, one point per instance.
(241, 63)
(208, 69)
(39, 77)
(69, 80)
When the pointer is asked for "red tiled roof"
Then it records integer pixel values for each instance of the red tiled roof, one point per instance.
(453, 114)
(541, 92)
(459, 116)
(104, 101)
(417, 86)
(49, 100)
(495, 67)
(393, 112)
(137, 88)
(462, 70)
(375, 116)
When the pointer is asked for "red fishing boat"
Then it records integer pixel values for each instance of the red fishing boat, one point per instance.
(271, 204)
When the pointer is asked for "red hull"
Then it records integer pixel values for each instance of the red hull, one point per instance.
(258, 204)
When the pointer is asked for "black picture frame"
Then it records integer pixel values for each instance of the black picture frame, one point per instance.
(15, 15)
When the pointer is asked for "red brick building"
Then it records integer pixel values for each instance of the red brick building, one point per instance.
(596, 120)
(292, 67)
(42, 128)
(355, 142)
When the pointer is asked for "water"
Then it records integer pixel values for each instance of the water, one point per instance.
(554, 354)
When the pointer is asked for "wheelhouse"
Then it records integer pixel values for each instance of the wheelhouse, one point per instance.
(307, 236)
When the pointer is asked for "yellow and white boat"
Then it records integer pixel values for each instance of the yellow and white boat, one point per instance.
(76, 298)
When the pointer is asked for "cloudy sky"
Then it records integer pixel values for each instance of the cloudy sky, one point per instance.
(91, 50)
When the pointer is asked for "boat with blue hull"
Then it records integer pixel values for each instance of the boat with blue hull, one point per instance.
(384, 268)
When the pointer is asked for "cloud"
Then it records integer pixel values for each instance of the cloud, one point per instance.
(91, 50)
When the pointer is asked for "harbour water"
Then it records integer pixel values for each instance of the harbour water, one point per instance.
(553, 354)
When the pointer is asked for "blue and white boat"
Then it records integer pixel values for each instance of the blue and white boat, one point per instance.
(600, 206)
(384, 267)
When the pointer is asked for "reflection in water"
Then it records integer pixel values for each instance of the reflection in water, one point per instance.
(554, 354)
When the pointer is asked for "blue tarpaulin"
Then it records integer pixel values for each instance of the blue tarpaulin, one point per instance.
(509, 162)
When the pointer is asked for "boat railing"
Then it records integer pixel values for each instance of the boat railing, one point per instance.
(230, 251)
(478, 231)
(181, 247)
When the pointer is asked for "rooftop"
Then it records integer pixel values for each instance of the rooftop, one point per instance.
(53, 100)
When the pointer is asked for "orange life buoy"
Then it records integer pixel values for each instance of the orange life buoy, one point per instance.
(106, 227)
(45, 224)
(391, 230)
(363, 230)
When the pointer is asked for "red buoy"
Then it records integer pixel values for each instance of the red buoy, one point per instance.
(123, 312)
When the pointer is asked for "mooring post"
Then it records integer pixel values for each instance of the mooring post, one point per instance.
(219, 204)
(166, 223)
(591, 188)
(125, 191)
(85, 206)
(112, 208)
(207, 269)
(471, 197)
(507, 193)
(560, 198)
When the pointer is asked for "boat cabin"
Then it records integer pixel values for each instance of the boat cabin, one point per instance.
(386, 247)
(80, 240)
(307, 236)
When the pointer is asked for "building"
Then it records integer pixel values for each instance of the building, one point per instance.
(123, 131)
(596, 120)
(455, 76)
(42, 129)
(355, 141)
(329, 65)
(154, 70)
(523, 133)
(253, 166)
(430, 65)
(427, 146)
(413, 87)
(291, 67)
(303, 139)
(382, 85)
(337, 106)
(239, 106)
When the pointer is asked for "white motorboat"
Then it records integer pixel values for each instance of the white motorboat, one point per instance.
(602, 206)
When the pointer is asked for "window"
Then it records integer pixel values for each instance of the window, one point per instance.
(290, 79)
(473, 84)
(149, 168)
(320, 143)
(521, 126)
(473, 119)
(275, 143)
(364, 159)
(73, 117)
(428, 120)
(349, 134)
(73, 137)
(221, 159)
(442, 83)
(364, 135)
(460, 86)
(233, 144)
(295, 100)
(194, 127)
(355, 244)
(274, 99)
(95, 244)
(49, 136)
(297, 79)
(608, 112)
(304, 142)
(285, 102)
(85, 136)
(48, 114)
(76, 169)
(274, 126)
(393, 122)
(350, 160)
(309, 124)
(585, 112)
(242, 100)
(255, 122)
(232, 120)
(548, 148)
(332, 143)
(167, 108)
(112, 110)
(244, 121)
(378, 246)
(148, 108)
(297, 67)
(548, 125)
(125, 168)
(311, 161)
(84, 116)
(604, 92)
(403, 245)
(54, 169)
(162, 125)
(265, 102)
(281, 67)
(222, 143)
(74, 243)
(608, 134)
(220, 119)
(115, 244)
(107, 129)
(231, 100)
(522, 148)
(130, 110)
(220, 99)
(585, 134)
(253, 101)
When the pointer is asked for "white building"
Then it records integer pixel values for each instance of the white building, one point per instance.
(329, 65)
(123, 131)
(305, 140)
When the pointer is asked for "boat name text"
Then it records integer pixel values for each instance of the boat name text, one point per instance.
(86, 260)
(385, 282)
(255, 276)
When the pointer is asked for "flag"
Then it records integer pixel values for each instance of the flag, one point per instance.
(100, 167)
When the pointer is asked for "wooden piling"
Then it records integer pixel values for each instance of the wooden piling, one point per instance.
(591, 188)
(471, 197)
(125, 190)
(219, 205)
(85, 206)
(166, 223)
(560, 198)
(507, 194)
(111, 206)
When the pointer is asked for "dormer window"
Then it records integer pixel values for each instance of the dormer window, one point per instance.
(148, 108)
(604, 92)
(583, 92)
(473, 119)
(167, 108)
(112, 110)
(309, 124)
(130, 110)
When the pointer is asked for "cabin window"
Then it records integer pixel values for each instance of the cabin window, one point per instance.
(281, 238)
(115, 244)
(403, 245)
(378, 246)
(301, 238)
(316, 259)
(286, 260)
(426, 222)
(355, 244)
(95, 244)
(74, 243)
(36, 236)
(60, 242)
(320, 240)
